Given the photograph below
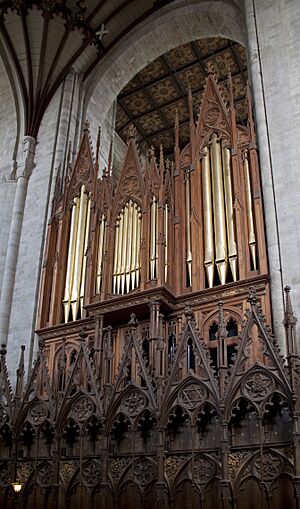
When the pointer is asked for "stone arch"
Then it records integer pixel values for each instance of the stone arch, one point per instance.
(174, 24)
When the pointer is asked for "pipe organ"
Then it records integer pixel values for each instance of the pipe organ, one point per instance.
(146, 280)
(186, 227)
(76, 258)
(126, 271)
(218, 214)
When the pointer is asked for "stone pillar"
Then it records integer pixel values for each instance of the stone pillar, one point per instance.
(24, 173)
(273, 242)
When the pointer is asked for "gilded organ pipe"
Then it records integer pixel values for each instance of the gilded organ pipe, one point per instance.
(250, 220)
(124, 248)
(134, 244)
(138, 252)
(70, 262)
(129, 245)
(86, 237)
(126, 251)
(208, 220)
(79, 253)
(188, 228)
(166, 221)
(232, 249)
(219, 209)
(120, 247)
(101, 245)
(153, 238)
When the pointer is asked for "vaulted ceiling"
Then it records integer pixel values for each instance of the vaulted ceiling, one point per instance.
(149, 101)
(45, 39)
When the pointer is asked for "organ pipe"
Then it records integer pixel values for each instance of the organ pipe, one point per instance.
(166, 221)
(208, 220)
(125, 241)
(188, 228)
(129, 245)
(126, 252)
(70, 262)
(79, 253)
(219, 209)
(86, 236)
(232, 249)
(250, 220)
(153, 239)
(120, 247)
(134, 245)
(138, 244)
(101, 244)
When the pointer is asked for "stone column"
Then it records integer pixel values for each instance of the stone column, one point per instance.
(265, 156)
(23, 175)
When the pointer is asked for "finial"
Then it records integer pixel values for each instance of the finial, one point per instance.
(176, 118)
(131, 132)
(133, 320)
(98, 145)
(231, 94)
(110, 158)
(83, 334)
(86, 125)
(210, 67)
(151, 152)
(189, 313)
(190, 100)
(252, 298)
(3, 350)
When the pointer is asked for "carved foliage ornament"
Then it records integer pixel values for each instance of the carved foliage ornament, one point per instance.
(268, 467)
(82, 409)
(5, 473)
(117, 467)
(203, 470)
(44, 474)
(91, 473)
(3, 415)
(134, 403)
(37, 414)
(258, 386)
(67, 470)
(172, 466)
(192, 396)
(144, 471)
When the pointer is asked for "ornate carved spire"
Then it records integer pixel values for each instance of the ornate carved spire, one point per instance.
(289, 323)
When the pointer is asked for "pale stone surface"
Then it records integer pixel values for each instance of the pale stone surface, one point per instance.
(8, 124)
(7, 194)
(23, 308)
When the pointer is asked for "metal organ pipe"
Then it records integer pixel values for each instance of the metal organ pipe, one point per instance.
(208, 220)
(126, 253)
(250, 220)
(86, 235)
(153, 238)
(166, 225)
(101, 244)
(188, 228)
(219, 210)
(232, 249)
(79, 253)
(70, 262)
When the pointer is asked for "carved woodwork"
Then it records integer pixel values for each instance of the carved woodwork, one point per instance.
(164, 385)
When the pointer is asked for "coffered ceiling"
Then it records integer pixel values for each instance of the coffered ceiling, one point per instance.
(150, 99)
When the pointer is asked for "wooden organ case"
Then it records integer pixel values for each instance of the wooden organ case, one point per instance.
(158, 382)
